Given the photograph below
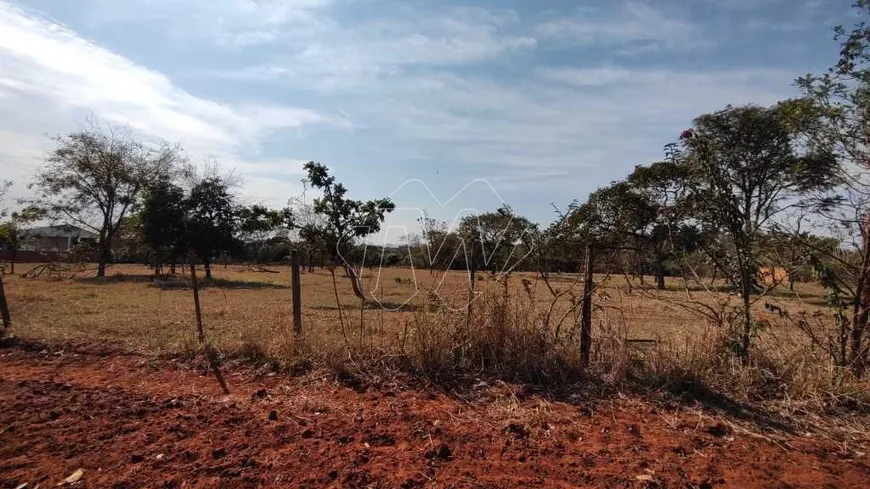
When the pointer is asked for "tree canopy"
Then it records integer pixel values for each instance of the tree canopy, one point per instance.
(344, 221)
(96, 176)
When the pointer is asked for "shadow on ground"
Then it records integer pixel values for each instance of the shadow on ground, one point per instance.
(387, 306)
(179, 282)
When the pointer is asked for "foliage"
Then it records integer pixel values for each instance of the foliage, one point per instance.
(211, 220)
(344, 220)
(498, 240)
(258, 223)
(744, 167)
(11, 235)
(666, 233)
(442, 248)
(163, 220)
(835, 113)
(96, 176)
(5, 185)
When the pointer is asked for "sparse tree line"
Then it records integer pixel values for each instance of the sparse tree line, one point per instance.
(744, 189)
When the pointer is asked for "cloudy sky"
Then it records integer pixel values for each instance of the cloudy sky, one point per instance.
(544, 100)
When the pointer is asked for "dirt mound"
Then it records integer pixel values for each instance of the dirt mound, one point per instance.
(134, 422)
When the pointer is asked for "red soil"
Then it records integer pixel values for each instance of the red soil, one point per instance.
(133, 422)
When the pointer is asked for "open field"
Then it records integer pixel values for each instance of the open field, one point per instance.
(522, 331)
(106, 375)
(244, 307)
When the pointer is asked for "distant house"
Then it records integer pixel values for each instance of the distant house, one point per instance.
(54, 238)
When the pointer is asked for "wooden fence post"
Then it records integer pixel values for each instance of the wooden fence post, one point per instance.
(586, 310)
(471, 266)
(210, 354)
(196, 306)
(4, 307)
(296, 283)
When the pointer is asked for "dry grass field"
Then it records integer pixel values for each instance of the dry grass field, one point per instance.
(416, 318)
(115, 386)
(244, 308)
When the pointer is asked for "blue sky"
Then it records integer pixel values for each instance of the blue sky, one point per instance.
(545, 100)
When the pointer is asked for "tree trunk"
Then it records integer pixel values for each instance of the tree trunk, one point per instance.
(639, 272)
(472, 270)
(105, 253)
(354, 282)
(206, 263)
(861, 309)
(660, 274)
(745, 294)
(586, 307)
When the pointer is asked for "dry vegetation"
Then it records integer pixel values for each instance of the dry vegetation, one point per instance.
(247, 315)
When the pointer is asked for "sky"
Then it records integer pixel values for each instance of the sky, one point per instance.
(443, 105)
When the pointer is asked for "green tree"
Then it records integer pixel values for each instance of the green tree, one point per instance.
(439, 247)
(12, 234)
(616, 217)
(8, 231)
(129, 245)
(259, 224)
(665, 234)
(744, 168)
(835, 113)
(637, 215)
(562, 244)
(496, 241)
(163, 218)
(345, 221)
(96, 176)
(211, 223)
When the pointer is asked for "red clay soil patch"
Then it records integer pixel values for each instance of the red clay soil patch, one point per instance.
(131, 422)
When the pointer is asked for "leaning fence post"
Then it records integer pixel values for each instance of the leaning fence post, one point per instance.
(296, 283)
(200, 332)
(586, 310)
(4, 307)
(210, 354)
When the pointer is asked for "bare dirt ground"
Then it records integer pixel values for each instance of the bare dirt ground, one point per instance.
(134, 421)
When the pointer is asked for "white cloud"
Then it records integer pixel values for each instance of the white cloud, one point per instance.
(51, 78)
(632, 27)
(322, 52)
(467, 90)
(237, 23)
(591, 77)
(541, 129)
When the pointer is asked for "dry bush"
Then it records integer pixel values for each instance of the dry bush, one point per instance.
(498, 336)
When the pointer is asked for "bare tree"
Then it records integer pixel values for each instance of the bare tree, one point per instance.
(304, 217)
(5, 185)
(95, 177)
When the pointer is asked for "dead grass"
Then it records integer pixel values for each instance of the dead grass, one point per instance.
(526, 335)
